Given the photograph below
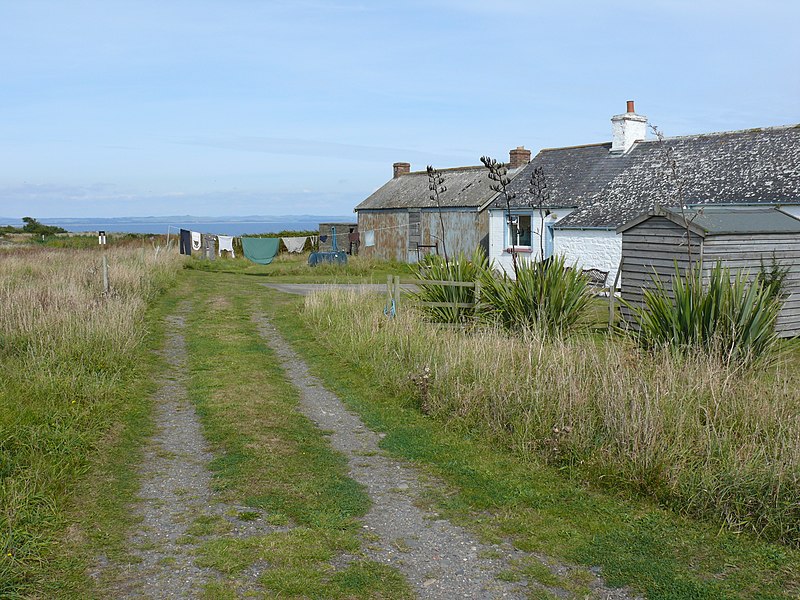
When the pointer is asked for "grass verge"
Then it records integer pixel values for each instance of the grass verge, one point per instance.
(501, 494)
(75, 372)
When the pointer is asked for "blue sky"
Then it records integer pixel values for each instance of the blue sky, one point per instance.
(244, 107)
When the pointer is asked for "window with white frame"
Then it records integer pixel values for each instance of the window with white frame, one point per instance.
(519, 230)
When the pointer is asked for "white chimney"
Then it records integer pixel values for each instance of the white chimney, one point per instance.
(627, 129)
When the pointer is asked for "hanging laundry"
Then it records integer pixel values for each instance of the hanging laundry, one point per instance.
(225, 242)
(323, 238)
(260, 250)
(369, 238)
(185, 245)
(197, 240)
(294, 244)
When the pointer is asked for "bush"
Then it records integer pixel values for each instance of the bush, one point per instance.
(546, 296)
(436, 268)
(728, 315)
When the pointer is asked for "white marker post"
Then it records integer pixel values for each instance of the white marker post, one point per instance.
(101, 238)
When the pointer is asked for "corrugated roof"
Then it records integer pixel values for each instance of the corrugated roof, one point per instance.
(739, 167)
(466, 187)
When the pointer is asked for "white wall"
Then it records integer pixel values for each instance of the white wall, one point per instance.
(590, 249)
(498, 242)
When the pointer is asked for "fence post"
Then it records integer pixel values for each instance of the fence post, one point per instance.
(396, 293)
(612, 296)
(389, 280)
(477, 297)
(106, 288)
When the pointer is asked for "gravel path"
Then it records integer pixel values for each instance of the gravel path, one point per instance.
(176, 493)
(440, 560)
(304, 289)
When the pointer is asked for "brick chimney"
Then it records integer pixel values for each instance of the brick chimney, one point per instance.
(626, 129)
(519, 156)
(401, 169)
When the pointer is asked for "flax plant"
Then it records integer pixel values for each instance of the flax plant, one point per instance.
(724, 313)
(547, 297)
(462, 269)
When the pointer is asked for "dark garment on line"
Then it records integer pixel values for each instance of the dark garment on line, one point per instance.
(323, 238)
(186, 242)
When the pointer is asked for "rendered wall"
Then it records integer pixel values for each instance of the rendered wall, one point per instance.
(591, 249)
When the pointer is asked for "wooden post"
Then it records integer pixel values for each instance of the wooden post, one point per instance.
(396, 293)
(389, 280)
(477, 297)
(612, 296)
(105, 274)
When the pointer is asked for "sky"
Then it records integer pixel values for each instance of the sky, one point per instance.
(244, 107)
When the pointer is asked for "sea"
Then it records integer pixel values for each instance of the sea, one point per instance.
(221, 226)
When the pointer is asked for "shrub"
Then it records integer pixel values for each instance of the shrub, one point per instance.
(546, 296)
(727, 314)
(436, 268)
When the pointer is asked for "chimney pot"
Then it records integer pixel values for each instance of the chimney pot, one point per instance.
(627, 129)
(518, 157)
(401, 168)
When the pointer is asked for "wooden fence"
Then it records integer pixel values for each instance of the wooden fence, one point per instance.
(394, 291)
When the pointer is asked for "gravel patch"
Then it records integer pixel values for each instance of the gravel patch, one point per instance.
(305, 289)
(176, 494)
(439, 559)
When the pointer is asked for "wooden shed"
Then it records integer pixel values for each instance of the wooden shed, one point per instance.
(343, 231)
(741, 238)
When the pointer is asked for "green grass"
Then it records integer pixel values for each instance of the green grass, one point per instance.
(501, 495)
(293, 268)
(272, 458)
(76, 379)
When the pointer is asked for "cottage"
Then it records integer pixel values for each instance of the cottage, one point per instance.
(742, 238)
(591, 190)
(401, 221)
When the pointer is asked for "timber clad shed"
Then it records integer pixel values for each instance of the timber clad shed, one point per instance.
(740, 238)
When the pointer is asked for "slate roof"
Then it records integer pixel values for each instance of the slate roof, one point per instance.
(738, 167)
(466, 187)
(725, 220)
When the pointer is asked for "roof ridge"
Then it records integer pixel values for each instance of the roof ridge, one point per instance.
(574, 147)
(730, 132)
(465, 168)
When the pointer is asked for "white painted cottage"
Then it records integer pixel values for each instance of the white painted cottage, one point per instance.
(591, 190)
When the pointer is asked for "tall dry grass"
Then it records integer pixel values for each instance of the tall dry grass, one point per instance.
(696, 434)
(68, 355)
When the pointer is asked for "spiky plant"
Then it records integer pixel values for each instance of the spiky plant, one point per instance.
(549, 298)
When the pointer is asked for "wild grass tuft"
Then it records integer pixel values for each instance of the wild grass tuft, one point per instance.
(67, 355)
(691, 431)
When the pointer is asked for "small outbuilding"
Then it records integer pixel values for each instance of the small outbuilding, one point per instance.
(346, 235)
(741, 238)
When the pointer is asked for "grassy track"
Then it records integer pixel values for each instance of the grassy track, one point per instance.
(272, 458)
(499, 495)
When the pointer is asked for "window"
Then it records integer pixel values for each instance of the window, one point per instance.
(519, 232)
